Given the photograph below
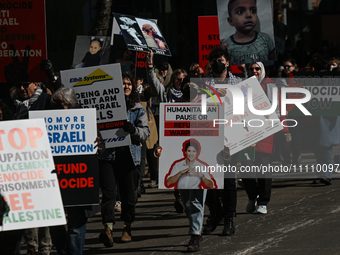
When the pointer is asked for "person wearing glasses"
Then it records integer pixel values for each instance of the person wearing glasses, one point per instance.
(173, 92)
(29, 96)
(259, 189)
(289, 66)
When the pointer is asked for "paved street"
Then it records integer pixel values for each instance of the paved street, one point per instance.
(302, 219)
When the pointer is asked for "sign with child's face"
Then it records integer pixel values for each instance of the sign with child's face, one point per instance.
(91, 51)
(246, 26)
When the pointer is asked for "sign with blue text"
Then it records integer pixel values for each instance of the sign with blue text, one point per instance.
(70, 132)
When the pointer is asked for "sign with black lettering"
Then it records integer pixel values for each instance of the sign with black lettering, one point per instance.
(101, 87)
(191, 143)
(208, 37)
(78, 179)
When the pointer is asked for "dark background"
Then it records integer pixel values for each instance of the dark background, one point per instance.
(310, 29)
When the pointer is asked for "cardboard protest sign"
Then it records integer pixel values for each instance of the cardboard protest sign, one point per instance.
(91, 51)
(208, 37)
(23, 41)
(139, 34)
(190, 138)
(324, 89)
(257, 26)
(70, 132)
(26, 180)
(102, 88)
(242, 131)
(78, 179)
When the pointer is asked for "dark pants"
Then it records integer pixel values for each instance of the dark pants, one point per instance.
(229, 196)
(71, 242)
(124, 172)
(229, 199)
(261, 187)
(152, 161)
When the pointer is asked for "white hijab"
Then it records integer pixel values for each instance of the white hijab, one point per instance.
(263, 72)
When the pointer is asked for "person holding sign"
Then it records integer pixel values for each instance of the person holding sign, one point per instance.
(259, 189)
(120, 164)
(183, 173)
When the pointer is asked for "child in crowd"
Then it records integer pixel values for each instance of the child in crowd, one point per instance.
(247, 45)
(92, 57)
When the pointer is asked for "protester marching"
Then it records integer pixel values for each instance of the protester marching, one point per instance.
(134, 117)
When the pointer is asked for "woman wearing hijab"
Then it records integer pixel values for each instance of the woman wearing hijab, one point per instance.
(259, 190)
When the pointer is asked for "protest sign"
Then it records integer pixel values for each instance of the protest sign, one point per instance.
(26, 180)
(91, 51)
(141, 65)
(324, 89)
(78, 179)
(70, 132)
(242, 131)
(102, 88)
(261, 47)
(208, 37)
(139, 34)
(23, 40)
(183, 123)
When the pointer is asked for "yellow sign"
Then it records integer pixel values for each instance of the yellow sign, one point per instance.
(98, 75)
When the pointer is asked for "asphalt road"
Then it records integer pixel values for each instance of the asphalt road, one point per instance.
(302, 219)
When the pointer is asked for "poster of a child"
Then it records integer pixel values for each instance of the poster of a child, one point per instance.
(97, 51)
(246, 27)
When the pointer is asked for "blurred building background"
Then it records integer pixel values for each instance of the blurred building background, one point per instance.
(311, 25)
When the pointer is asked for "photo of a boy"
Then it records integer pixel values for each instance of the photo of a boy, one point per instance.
(247, 45)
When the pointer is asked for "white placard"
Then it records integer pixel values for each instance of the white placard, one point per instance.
(26, 180)
(70, 132)
(101, 87)
(241, 131)
(181, 123)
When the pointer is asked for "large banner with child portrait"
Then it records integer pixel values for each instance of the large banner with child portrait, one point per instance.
(246, 26)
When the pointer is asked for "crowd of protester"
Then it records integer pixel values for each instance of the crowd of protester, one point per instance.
(122, 170)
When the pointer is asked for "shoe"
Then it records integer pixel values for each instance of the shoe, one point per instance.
(126, 236)
(118, 206)
(262, 209)
(229, 228)
(106, 237)
(212, 222)
(178, 206)
(326, 181)
(32, 251)
(240, 183)
(194, 243)
(316, 181)
(153, 184)
(251, 206)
